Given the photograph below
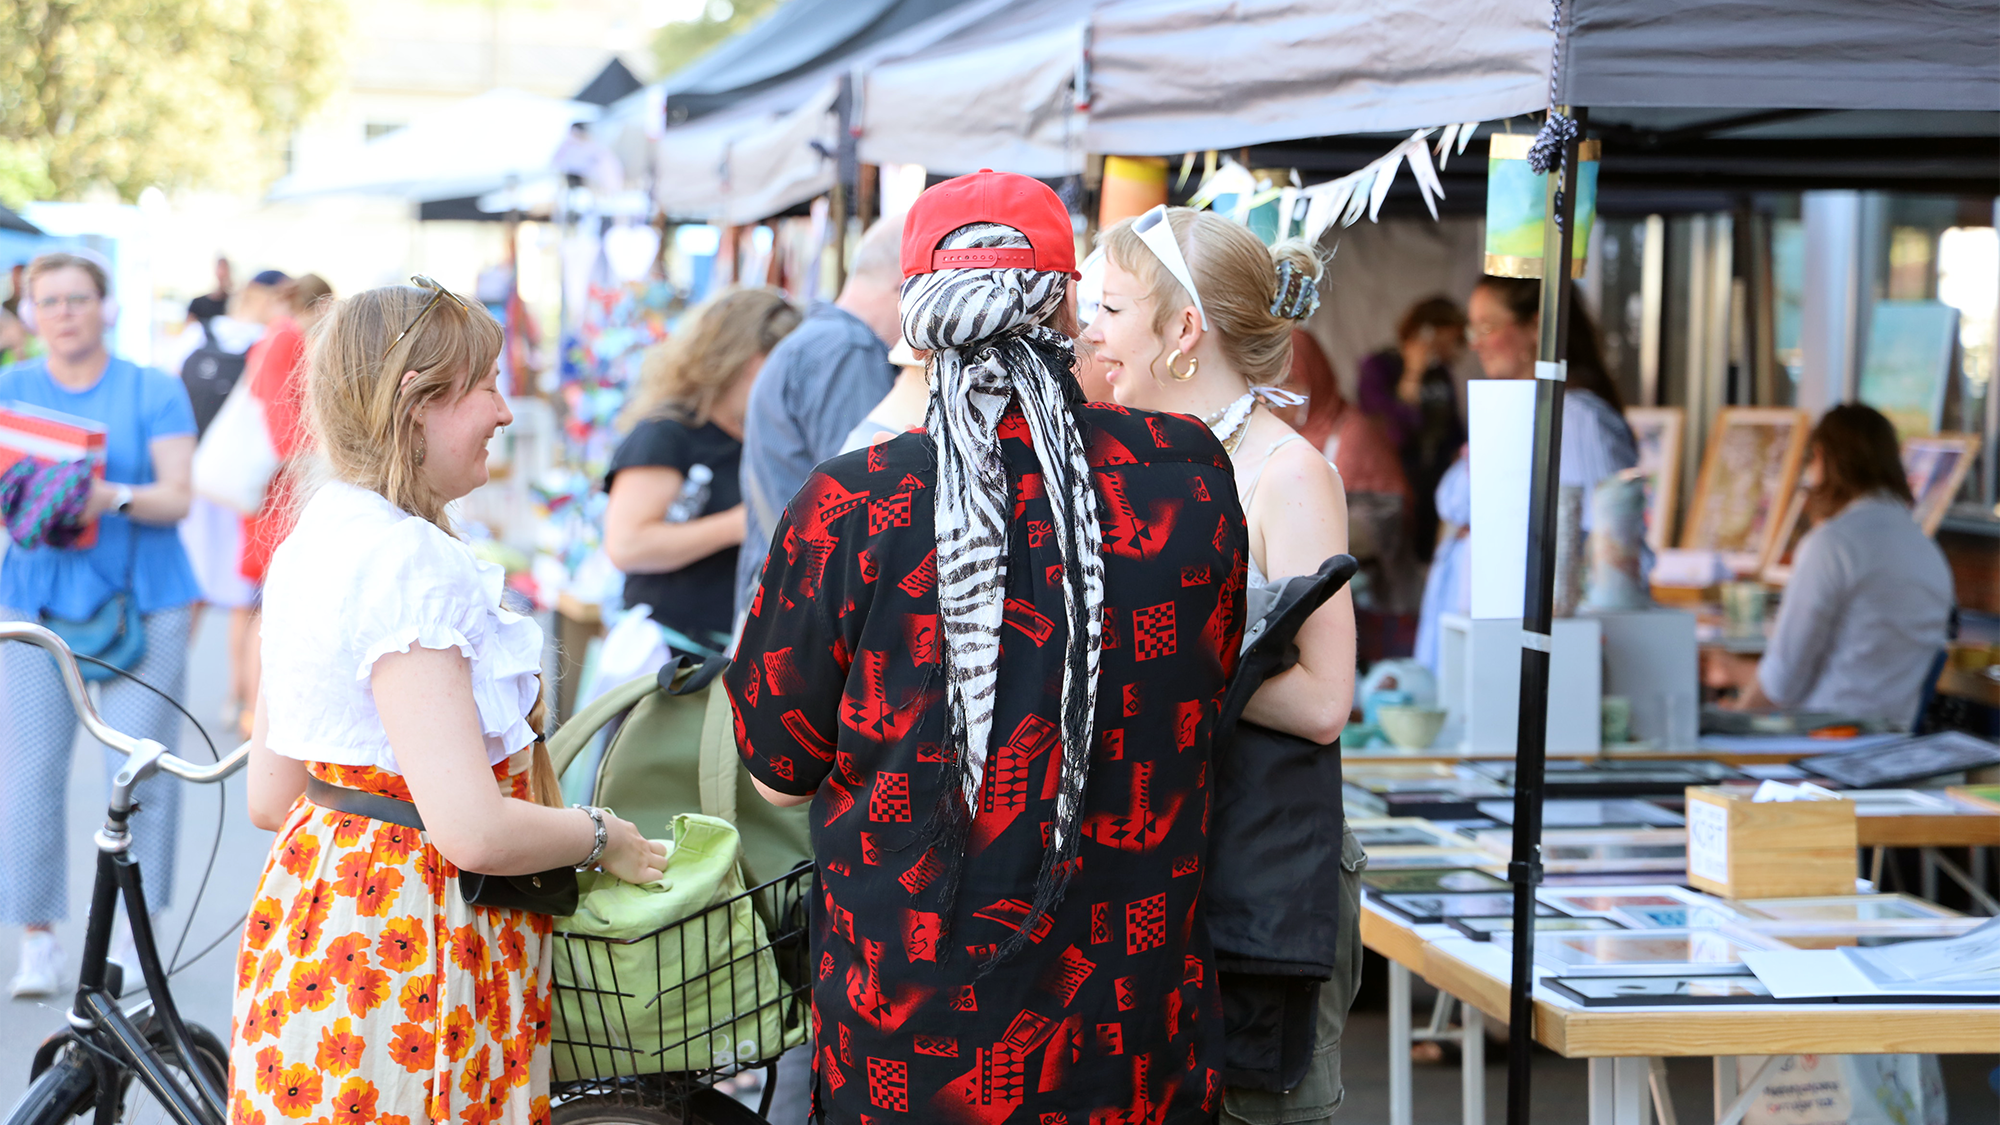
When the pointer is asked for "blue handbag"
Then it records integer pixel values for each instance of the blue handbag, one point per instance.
(113, 634)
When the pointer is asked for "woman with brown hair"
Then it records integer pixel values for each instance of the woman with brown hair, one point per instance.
(676, 514)
(1410, 391)
(1865, 612)
(396, 745)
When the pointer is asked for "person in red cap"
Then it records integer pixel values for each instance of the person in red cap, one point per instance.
(991, 653)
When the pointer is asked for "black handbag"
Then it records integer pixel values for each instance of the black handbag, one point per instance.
(552, 892)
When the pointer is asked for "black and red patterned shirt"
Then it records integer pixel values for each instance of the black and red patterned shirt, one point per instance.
(1110, 1013)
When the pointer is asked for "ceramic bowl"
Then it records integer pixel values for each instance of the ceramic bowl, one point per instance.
(1411, 728)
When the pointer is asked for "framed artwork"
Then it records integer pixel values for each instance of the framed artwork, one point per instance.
(1641, 992)
(1880, 766)
(1848, 910)
(1908, 362)
(1936, 466)
(1657, 431)
(1747, 476)
(1429, 879)
(1609, 900)
(1421, 908)
(1776, 569)
(1484, 929)
(1651, 953)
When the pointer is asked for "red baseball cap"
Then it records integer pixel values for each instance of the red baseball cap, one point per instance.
(987, 196)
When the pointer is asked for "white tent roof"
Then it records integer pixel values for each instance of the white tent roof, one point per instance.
(463, 149)
(775, 149)
(997, 93)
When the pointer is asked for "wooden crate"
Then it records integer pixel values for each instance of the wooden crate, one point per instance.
(1738, 848)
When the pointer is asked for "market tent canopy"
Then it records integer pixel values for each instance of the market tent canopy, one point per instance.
(10, 221)
(613, 82)
(801, 37)
(999, 93)
(778, 148)
(1173, 75)
(464, 149)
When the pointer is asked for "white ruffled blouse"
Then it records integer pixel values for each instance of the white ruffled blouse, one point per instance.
(359, 578)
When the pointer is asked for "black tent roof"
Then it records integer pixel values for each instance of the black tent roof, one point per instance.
(613, 82)
(801, 36)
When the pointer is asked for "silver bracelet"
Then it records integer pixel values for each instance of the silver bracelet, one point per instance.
(603, 836)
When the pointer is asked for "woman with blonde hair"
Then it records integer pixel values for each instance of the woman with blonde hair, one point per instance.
(396, 746)
(1197, 318)
(675, 519)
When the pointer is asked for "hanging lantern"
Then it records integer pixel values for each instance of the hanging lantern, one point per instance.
(1133, 185)
(1517, 196)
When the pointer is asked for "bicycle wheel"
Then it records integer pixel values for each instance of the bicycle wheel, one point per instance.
(137, 1104)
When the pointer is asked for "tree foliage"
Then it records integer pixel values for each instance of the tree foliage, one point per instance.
(128, 94)
(683, 41)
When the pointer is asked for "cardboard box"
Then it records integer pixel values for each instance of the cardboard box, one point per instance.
(51, 435)
(1740, 848)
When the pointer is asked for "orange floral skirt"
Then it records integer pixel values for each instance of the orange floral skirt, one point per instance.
(368, 991)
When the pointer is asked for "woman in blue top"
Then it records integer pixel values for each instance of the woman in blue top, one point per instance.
(149, 449)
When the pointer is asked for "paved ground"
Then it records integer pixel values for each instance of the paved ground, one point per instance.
(203, 989)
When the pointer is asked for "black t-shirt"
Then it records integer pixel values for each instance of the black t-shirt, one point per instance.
(699, 598)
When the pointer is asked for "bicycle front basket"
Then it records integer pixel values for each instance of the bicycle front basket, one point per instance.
(681, 975)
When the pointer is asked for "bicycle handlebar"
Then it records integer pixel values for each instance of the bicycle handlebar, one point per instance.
(86, 712)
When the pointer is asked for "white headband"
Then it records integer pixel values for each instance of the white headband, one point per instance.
(1158, 234)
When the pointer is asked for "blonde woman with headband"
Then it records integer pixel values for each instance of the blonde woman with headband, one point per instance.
(676, 518)
(1197, 318)
(396, 745)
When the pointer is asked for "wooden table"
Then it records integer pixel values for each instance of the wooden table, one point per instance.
(1625, 1044)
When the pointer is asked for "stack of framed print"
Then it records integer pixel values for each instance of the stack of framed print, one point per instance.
(1839, 920)
(1747, 477)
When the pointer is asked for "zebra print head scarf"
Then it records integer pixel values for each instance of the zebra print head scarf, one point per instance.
(991, 350)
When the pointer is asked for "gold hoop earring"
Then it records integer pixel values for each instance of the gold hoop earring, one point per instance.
(1194, 365)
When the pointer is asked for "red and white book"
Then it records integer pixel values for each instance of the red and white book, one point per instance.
(51, 435)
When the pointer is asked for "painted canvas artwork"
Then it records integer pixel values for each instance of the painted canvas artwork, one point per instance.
(1657, 431)
(1747, 477)
(1936, 466)
(1904, 373)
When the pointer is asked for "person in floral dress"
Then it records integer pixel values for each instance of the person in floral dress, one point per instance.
(395, 687)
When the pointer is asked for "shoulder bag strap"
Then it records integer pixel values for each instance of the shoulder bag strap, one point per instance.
(716, 772)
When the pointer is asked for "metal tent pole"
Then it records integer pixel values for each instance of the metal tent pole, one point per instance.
(1531, 741)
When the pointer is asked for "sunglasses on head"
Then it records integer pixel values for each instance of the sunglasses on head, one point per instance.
(438, 293)
(1158, 234)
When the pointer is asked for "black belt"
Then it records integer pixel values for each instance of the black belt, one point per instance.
(374, 806)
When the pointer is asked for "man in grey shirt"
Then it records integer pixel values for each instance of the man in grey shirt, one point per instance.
(815, 387)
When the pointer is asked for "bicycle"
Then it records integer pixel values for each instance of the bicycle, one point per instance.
(93, 1065)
